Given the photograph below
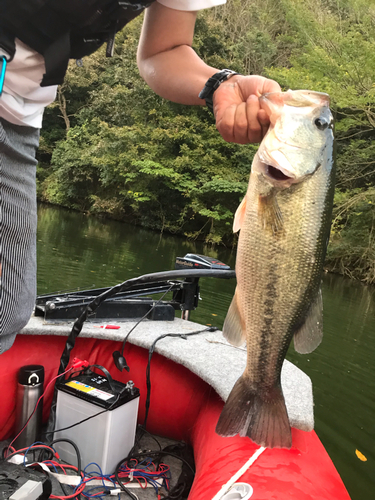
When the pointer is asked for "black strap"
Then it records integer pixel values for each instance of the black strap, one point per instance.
(56, 59)
(7, 43)
(213, 84)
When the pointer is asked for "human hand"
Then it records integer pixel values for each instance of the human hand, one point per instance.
(239, 117)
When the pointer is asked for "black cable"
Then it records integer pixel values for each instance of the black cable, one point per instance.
(149, 454)
(159, 453)
(126, 285)
(143, 317)
(79, 461)
(156, 454)
(151, 352)
(62, 486)
(24, 450)
(145, 431)
(119, 482)
(146, 278)
(108, 376)
(65, 440)
(85, 419)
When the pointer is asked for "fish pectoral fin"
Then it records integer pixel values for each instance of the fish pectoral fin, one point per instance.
(270, 214)
(310, 334)
(233, 328)
(260, 415)
(239, 216)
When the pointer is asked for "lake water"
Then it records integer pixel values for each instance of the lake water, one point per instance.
(78, 251)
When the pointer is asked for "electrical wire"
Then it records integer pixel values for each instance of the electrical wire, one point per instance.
(144, 317)
(62, 371)
(143, 427)
(126, 285)
(141, 431)
(85, 419)
(37, 403)
(120, 483)
(151, 352)
(33, 447)
(65, 440)
(161, 453)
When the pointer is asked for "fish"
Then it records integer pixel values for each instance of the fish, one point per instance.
(284, 222)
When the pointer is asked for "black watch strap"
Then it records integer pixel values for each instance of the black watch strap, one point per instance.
(214, 83)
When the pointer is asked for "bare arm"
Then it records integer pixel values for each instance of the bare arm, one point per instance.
(173, 70)
(165, 58)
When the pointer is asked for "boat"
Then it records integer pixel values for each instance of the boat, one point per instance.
(191, 375)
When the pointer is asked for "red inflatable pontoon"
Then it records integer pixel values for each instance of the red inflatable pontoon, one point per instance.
(184, 407)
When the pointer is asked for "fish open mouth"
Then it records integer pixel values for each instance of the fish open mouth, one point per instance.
(276, 174)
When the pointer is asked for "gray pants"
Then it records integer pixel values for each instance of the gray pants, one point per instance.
(17, 228)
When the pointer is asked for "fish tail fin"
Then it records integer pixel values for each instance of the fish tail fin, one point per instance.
(260, 415)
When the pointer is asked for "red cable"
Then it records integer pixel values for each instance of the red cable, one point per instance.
(36, 447)
(75, 365)
(74, 495)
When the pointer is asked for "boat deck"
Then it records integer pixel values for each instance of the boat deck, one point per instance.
(207, 354)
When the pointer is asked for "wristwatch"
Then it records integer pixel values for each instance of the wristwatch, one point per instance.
(214, 83)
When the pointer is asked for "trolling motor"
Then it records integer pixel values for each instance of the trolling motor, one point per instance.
(195, 261)
(189, 300)
(134, 301)
(89, 303)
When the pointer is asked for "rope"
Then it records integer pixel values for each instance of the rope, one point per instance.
(226, 487)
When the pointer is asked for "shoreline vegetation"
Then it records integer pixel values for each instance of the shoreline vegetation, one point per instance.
(110, 147)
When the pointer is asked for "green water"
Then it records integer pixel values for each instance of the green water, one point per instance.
(77, 251)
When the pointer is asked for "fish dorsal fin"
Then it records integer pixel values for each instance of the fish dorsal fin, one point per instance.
(239, 216)
(270, 213)
(310, 335)
(234, 328)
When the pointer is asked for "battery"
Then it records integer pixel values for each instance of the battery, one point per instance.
(106, 438)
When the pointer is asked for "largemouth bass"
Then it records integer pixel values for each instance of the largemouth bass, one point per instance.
(285, 221)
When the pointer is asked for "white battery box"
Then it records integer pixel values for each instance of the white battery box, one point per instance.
(106, 438)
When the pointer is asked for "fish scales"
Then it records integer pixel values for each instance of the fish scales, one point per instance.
(280, 255)
(279, 297)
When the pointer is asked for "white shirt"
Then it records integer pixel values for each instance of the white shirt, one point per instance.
(23, 99)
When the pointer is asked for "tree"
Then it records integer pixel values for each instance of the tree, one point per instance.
(112, 147)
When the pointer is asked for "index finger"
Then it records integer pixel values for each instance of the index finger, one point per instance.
(270, 86)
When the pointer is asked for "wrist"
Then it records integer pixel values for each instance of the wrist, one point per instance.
(213, 84)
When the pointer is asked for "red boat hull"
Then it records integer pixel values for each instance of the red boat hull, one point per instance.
(184, 407)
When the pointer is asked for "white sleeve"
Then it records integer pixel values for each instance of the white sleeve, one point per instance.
(191, 4)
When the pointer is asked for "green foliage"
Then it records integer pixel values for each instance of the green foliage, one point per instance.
(336, 54)
(352, 249)
(168, 177)
(111, 146)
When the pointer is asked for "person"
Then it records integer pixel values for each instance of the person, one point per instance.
(167, 63)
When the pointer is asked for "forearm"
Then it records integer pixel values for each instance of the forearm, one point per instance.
(173, 70)
(165, 56)
(177, 74)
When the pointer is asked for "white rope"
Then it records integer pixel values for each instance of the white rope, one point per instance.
(226, 487)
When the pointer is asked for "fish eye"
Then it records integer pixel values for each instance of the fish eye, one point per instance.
(321, 123)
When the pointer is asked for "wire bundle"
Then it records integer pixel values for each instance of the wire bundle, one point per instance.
(145, 472)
